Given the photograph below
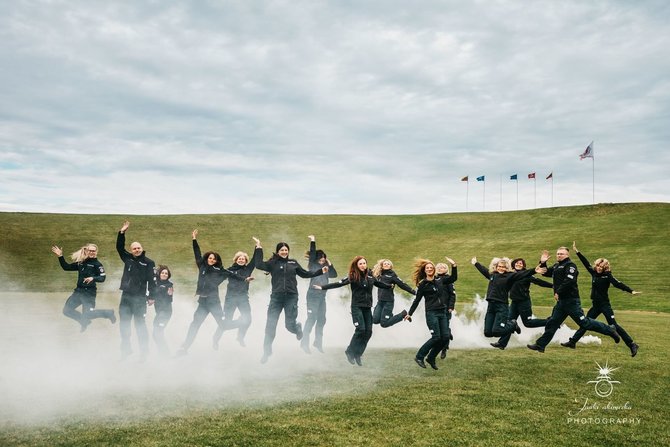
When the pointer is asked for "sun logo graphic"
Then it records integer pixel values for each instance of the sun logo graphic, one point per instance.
(604, 384)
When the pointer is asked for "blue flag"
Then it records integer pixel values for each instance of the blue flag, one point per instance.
(513, 177)
(481, 178)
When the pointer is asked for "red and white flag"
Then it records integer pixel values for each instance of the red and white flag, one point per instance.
(531, 175)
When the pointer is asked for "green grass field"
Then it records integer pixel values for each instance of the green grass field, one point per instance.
(480, 397)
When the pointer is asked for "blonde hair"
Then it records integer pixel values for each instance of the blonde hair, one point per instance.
(238, 254)
(495, 261)
(419, 273)
(81, 255)
(441, 264)
(377, 269)
(604, 263)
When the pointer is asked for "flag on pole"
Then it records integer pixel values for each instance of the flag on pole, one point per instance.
(513, 177)
(550, 176)
(531, 175)
(481, 178)
(464, 179)
(588, 152)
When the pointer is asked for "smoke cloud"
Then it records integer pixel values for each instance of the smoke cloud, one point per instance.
(50, 371)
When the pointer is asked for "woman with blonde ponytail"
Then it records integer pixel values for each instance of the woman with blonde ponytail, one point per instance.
(91, 271)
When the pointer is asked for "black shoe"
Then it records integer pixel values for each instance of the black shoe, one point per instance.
(358, 360)
(84, 325)
(304, 344)
(403, 313)
(633, 349)
(350, 357)
(451, 337)
(537, 348)
(265, 358)
(420, 362)
(569, 344)
(432, 364)
(517, 328)
(498, 345)
(112, 317)
(443, 354)
(241, 342)
(298, 334)
(614, 334)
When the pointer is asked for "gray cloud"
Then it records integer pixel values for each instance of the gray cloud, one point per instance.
(305, 107)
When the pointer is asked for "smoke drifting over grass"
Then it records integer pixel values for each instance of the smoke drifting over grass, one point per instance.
(51, 372)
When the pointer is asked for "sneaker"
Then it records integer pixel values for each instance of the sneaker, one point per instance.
(420, 362)
(569, 344)
(517, 328)
(614, 334)
(112, 317)
(498, 345)
(443, 354)
(432, 364)
(350, 357)
(633, 349)
(298, 334)
(537, 348)
(357, 359)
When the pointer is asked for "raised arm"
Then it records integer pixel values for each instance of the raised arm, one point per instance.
(121, 242)
(196, 248)
(483, 270)
(61, 260)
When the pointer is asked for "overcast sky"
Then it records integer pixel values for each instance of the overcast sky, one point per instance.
(148, 107)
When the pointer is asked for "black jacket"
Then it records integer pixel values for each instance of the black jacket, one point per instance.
(391, 278)
(434, 292)
(163, 293)
(283, 272)
(501, 283)
(361, 291)
(138, 272)
(564, 275)
(449, 291)
(238, 286)
(209, 276)
(600, 283)
(88, 268)
(520, 290)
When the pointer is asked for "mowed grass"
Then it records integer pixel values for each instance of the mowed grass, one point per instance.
(634, 237)
(481, 397)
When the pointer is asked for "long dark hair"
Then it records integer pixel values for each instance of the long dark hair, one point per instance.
(355, 274)
(275, 256)
(218, 262)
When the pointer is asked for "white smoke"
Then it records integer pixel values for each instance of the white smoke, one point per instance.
(50, 371)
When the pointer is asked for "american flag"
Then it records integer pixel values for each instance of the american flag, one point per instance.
(588, 152)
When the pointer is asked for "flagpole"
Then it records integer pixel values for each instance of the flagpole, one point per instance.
(534, 191)
(517, 194)
(467, 190)
(593, 177)
(501, 193)
(484, 196)
(552, 189)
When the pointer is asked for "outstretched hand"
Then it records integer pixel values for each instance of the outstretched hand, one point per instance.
(311, 238)
(450, 261)
(57, 251)
(545, 256)
(125, 226)
(574, 247)
(473, 261)
(257, 241)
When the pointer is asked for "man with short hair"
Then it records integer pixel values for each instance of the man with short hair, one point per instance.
(137, 282)
(566, 293)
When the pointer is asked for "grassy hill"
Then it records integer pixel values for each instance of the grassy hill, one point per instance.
(634, 237)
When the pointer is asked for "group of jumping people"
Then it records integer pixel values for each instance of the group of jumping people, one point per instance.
(143, 284)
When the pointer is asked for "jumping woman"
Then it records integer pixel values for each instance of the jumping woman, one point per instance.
(237, 297)
(210, 275)
(162, 302)
(316, 299)
(449, 291)
(431, 288)
(383, 313)
(284, 295)
(90, 271)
